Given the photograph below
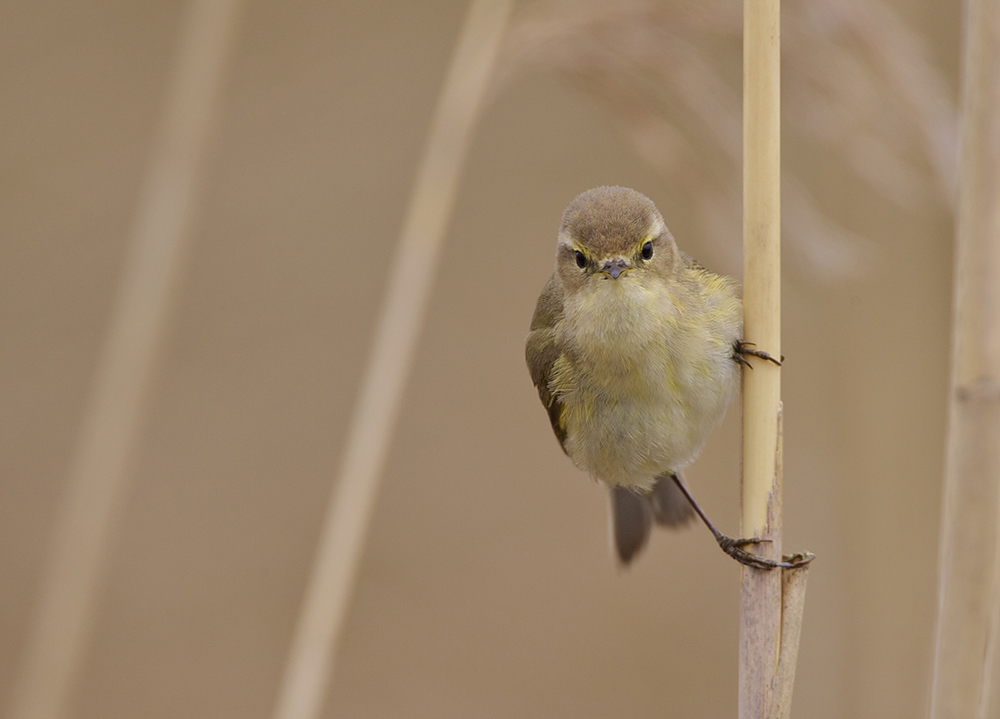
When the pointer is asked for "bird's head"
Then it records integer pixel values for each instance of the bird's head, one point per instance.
(613, 234)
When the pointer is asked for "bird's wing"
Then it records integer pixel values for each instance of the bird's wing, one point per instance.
(542, 352)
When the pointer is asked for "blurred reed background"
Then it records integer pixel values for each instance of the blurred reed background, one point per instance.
(486, 587)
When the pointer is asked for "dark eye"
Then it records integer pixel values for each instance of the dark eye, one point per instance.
(647, 251)
(581, 260)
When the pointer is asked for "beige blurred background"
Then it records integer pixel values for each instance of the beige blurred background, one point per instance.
(487, 588)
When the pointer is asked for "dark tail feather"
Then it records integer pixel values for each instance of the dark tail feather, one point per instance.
(633, 513)
(631, 521)
(670, 506)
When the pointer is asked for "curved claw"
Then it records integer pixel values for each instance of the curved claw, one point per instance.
(799, 559)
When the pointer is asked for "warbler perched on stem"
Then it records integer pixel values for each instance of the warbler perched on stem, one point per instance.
(635, 350)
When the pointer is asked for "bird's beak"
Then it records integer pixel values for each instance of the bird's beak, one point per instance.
(615, 268)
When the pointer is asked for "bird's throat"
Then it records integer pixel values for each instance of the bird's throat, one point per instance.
(614, 315)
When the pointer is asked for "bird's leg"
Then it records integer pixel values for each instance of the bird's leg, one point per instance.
(734, 547)
(742, 348)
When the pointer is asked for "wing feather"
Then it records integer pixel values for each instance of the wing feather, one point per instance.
(542, 352)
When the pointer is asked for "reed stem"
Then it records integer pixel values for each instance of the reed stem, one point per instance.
(311, 660)
(770, 601)
(965, 658)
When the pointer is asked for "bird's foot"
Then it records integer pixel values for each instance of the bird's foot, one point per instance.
(743, 348)
(734, 548)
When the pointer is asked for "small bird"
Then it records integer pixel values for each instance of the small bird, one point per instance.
(635, 350)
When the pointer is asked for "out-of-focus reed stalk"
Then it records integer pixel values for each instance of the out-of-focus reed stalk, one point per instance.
(331, 582)
(113, 415)
(770, 608)
(966, 682)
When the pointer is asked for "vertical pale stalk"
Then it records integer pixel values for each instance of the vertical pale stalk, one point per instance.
(793, 600)
(965, 660)
(328, 593)
(760, 596)
(113, 415)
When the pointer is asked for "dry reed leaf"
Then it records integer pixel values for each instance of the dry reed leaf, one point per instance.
(668, 76)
